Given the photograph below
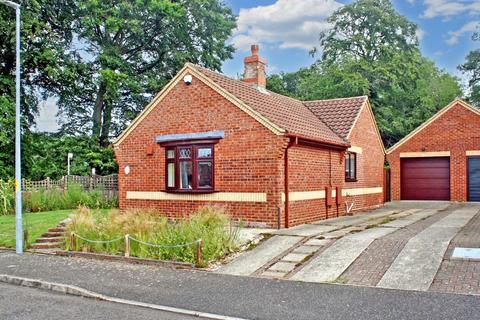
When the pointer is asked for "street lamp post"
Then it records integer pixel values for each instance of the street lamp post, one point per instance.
(69, 157)
(18, 163)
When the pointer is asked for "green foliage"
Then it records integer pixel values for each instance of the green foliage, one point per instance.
(74, 196)
(368, 30)
(7, 197)
(46, 156)
(372, 50)
(210, 224)
(471, 68)
(130, 49)
(49, 200)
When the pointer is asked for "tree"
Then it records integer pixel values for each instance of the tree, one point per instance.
(43, 40)
(47, 156)
(125, 51)
(372, 50)
(368, 30)
(471, 68)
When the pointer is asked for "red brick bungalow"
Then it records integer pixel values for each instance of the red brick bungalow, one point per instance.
(269, 159)
(440, 160)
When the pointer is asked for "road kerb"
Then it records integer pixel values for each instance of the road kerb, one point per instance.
(77, 291)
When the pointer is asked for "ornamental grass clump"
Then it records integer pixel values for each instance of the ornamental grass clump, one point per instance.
(148, 230)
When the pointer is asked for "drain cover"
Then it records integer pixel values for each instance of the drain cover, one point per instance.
(466, 253)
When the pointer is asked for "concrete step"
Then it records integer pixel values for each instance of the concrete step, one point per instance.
(53, 234)
(50, 239)
(46, 245)
(57, 229)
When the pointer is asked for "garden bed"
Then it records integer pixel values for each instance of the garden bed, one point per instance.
(204, 237)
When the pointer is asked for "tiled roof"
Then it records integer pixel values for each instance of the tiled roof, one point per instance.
(287, 113)
(338, 114)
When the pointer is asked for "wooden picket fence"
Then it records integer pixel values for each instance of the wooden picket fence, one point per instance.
(107, 184)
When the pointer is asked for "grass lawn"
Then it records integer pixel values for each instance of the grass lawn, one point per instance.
(38, 223)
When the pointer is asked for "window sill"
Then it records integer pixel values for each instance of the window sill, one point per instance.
(190, 191)
(351, 180)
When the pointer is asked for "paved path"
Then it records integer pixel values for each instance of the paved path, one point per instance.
(289, 250)
(460, 275)
(21, 303)
(251, 261)
(246, 297)
(371, 265)
(332, 262)
(416, 265)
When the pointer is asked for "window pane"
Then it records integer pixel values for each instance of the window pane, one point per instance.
(205, 174)
(171, 154)
(347, 165)
(204, 153)
(186, 174)
(352, 165)
(185, 153)
(171, 175)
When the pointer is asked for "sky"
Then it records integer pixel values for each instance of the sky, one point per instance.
(287, 30)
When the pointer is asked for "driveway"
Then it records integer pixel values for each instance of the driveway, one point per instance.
(404, 245)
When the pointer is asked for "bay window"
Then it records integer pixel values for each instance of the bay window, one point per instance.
(189, 168)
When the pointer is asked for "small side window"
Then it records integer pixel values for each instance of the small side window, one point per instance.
(350, 166)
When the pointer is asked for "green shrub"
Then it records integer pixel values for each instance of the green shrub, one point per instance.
(7, 197)
(53, 199)
(210, 224)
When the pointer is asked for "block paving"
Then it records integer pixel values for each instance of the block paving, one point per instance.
(460, 275)
(369, 268)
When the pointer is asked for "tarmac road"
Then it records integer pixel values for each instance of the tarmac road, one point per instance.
(18, 303)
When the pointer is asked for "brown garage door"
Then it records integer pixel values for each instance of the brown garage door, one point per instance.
(425, 179)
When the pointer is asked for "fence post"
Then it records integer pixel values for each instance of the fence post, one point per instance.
(198, 253)
(72, 242)
(127, 246)
(48, 184)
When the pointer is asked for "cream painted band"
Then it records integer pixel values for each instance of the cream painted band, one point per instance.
(217, 196)
(473, 152)
(320, 194)
(355, 149)
(424, 154)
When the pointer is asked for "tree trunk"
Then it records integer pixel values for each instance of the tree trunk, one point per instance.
(98, 110)
(107, 121)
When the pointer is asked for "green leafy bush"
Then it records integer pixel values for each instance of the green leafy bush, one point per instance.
(7, 197)
(53, 199)
(210, 224)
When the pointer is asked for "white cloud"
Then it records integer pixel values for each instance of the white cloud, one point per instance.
(286, 23)
(447, 9)
(454, 36)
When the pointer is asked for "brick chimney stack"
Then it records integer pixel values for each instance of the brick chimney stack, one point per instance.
(255, 69)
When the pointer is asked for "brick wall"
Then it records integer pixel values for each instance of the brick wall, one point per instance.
(309, 170)
(457, 131)
(370, 162)
(248, 159)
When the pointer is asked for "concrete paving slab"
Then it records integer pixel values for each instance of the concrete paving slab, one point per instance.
(306, 249)
(251, 261)
(332, 262)
(247, 235)
(274, 274)
(295, 257)
(283, 266)
(317, 242)
(305, 230)
(416, 265)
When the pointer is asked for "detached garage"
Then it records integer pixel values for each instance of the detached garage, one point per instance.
(440, 160)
